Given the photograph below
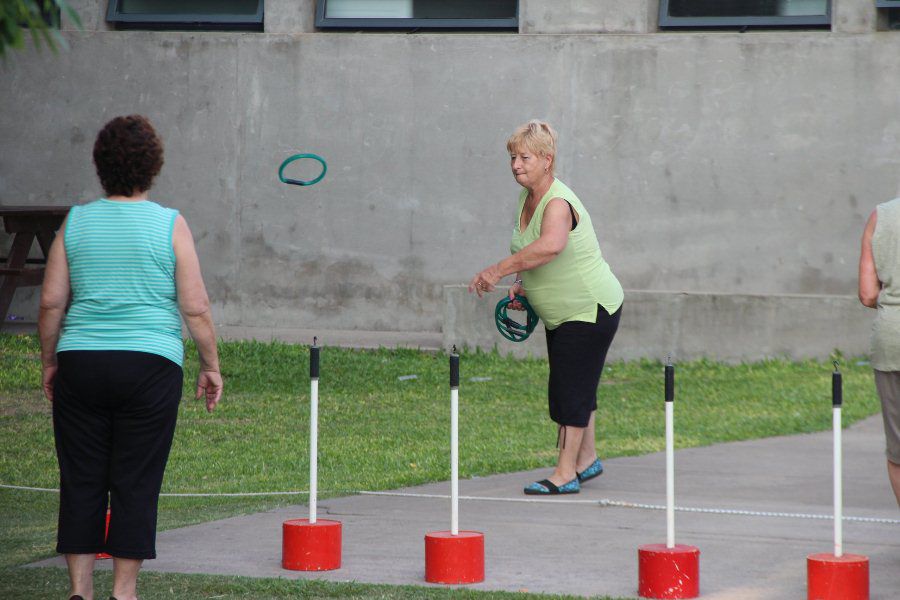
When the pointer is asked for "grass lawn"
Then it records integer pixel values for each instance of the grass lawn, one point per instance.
(380, 430)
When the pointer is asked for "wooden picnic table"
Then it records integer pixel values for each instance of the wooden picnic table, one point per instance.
(25, 223)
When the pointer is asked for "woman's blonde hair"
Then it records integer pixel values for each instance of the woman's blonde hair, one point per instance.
(535, 136)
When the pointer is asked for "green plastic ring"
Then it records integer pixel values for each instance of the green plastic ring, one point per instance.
(301, 181)
(513, 330)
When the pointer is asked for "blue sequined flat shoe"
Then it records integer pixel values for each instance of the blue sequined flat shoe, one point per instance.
(545, 487)
(592, 471)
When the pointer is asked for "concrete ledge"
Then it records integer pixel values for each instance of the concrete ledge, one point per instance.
(348, 338)
(689, 325)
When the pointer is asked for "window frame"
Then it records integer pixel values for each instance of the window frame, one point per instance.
(189, 21)
(811, 21)
(323, 22)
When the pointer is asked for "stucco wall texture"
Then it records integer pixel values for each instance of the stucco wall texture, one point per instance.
(714, 162)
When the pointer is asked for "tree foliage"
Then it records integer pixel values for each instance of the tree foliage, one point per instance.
(39, 17)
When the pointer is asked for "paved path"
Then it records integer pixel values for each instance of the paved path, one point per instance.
(578, 545)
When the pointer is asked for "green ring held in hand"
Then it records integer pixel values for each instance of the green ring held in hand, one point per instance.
(513, 330)
(301, 181)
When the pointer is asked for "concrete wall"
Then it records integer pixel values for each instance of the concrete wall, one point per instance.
(711, 162)
(688, 325)
(587, 16)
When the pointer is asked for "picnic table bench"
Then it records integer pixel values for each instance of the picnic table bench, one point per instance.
(25, 224)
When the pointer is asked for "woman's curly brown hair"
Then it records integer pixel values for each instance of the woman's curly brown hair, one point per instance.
(128, 155)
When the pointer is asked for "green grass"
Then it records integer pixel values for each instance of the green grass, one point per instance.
(378, 432)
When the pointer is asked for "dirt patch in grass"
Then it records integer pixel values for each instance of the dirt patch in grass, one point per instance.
(13, 405)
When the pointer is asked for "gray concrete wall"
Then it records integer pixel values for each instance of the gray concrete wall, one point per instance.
(688, 325)
(720, 163)
(588, 16)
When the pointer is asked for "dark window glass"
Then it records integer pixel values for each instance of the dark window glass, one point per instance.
(893, 18)
(744, 13)
(746, 8)
(187, 14)
(418, 13)
(188, 7)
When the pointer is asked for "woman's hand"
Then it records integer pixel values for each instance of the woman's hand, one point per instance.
(209, 384)
(516, 290)
(48, 376)
(485, 281)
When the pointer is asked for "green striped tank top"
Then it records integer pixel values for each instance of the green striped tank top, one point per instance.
(569, 287)
(122, 274)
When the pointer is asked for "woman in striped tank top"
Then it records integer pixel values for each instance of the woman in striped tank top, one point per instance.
(112, 360)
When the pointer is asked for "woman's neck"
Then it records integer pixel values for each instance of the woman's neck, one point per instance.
(136, 197)
(537, 192)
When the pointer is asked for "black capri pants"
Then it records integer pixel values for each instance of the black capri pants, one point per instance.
(577, 351)
(114, 415)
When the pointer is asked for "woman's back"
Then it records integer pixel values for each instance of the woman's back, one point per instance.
(122, 273)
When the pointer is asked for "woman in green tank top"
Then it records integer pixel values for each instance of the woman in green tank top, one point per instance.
(879, 288)
(557, 261)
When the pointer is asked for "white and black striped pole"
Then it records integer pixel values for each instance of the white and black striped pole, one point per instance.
(312, 544)
(837, 398)
(454, 444)
(837, 576)
(670, 455)
(669, 570)
(313, 428)
(454, 556)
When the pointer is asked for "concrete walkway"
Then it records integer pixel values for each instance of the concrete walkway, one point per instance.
(580, 545)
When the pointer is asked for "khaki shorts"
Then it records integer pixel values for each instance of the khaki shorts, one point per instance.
(888, 385)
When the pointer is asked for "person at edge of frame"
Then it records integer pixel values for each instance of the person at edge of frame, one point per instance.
(112, 361)
(879, 288)
(556, 258)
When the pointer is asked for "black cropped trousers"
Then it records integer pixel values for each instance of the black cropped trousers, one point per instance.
(114, 415)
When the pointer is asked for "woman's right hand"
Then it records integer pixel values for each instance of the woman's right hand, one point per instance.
(48, 376)
(516, 290)
(209, 384)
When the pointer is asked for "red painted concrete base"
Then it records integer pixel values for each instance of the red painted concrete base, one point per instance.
(454, 558)
(668, 572)
(309, 546)
(104, 555)
(831, 578)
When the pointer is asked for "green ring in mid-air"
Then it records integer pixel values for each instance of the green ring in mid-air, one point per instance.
(301, 181)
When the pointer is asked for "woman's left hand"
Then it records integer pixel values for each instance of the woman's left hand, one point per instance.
(485, 281)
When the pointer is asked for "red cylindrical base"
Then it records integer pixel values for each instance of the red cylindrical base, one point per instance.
(831, 578)
(103, 555)
(309, 546)
(668, 572)
(454, 558)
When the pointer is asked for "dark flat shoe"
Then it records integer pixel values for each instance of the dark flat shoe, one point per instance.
(592, 471)
(76, 597)
(545, 487)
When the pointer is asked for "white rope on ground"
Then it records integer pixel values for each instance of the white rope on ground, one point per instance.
(619, 504)
(603, 502)
(173, 494)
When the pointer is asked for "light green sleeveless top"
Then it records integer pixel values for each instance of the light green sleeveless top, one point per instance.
(569, 287)
(122, 275)
(885, 347)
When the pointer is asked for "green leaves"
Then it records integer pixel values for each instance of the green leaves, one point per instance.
(41, 19)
